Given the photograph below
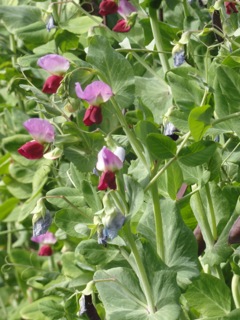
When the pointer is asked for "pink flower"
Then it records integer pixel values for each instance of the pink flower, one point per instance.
(122, 26)
(109, 161)
(93, 115)
(40, 129)
(32, 150)
(54, 64)
(52, 84)
(107, 180)
(230, 7)
(107, 7)
(125, 8)
(45, 250)
(46, 238)
(95, 93)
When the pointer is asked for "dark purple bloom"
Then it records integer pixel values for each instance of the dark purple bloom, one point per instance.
(45, 250)
(107, 180)
(122, 26)
(107, 7)
(52, 84)
(93, 115)
(32, 150)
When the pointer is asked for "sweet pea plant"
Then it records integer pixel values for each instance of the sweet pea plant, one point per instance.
(120, 160)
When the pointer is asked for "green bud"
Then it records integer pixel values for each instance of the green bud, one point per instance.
(89, 288)
(39, 211)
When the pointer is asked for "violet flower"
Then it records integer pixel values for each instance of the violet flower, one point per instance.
(109, 163)
(46, 238)
(95, 93)
(125, 8)
(54, 64)
(40, 129)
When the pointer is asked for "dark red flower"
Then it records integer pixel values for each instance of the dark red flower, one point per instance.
(45, 250)
(93, 115)
(122, 26)
(107, 7)
(52, 84)
(32, 150)
(230, 7)
(107, 180)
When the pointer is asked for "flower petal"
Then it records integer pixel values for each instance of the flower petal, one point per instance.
(52, 84)
(32, 150)
(54, 64)
(125, 8)
(41, 130)
(107, 7)
(45, 250)
(95, 93)
(46, 238)
(93, 115)
(107, 180)
(121, 26)
(108, 161)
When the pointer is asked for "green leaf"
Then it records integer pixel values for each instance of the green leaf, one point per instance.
(76, 176)
(179, 242)
(123, 285)
(161, 147)
(143, 128)
(96, 254)
(41, 176)
(7, 206)
(32, 311)
(199, 121)
(209, 296)
(174, 179)
(12, 143)
(154, 93)
(197, 153)
(66, 40)
(82, 160)
(134, 193)
(73, 222)
(80, 25)
(57, 195)
(115, 69)
(19, 190)
(91, 197)
(52, 309)
(16, 17)
(226, 92)
(186, 89)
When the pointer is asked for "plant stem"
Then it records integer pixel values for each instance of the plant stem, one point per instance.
(158, 221)
(212, 212)
(235, 285)
(203, 221)
(131, 137)
(141, 270)
(229, 117)
(158, 39)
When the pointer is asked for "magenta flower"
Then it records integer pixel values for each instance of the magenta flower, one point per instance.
(95, 93)
(54, 64)
(41, 130)
(45, 250)
(108, 7)
(121, 26)
(230, 7)
(52, 84)
(46, 238)
(109, 161)
(93, 115)
(125, 8)
(32, 150)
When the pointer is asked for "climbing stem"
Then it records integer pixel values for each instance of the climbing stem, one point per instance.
(203, 221)
(158, 221)
(131, 137)
(158, 39)
(212, 212)
(236, 290)
(140, 268)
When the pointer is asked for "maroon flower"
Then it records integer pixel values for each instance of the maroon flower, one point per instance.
(230, 7)
(107, 180)
(52, 84)
(93, 115)
(45, 250)
(32, 150)
(107, 7)
(122, 26)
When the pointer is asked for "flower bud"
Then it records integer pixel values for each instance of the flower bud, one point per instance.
(45, 250)
(93, 115)
(52, 84)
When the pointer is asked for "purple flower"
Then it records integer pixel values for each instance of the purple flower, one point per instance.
(95, 93)
(45, 250)
(109, 161)
(31, 150)
(46, 238)
(41, 130)
(125, 8)
(54, 64)
(112, 224)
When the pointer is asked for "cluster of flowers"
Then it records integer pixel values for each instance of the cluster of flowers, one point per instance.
(122, 7)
